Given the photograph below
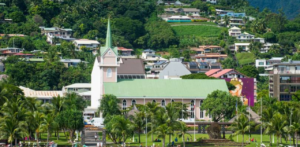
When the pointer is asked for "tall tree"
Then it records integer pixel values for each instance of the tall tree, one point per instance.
(219, 112)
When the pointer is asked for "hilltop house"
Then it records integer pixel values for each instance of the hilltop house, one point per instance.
(124, 51)
(182, 11)
(211, 1)
(267, 63)
(234, 31)
(246, 37)
(90, 44)
(10, 51)
(150, 58)
(55, 32)
(207, 49)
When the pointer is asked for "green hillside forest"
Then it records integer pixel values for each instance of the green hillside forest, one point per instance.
(289, 7)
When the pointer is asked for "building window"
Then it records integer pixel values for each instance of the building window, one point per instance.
(133, 102)
(109, 52)
(261, 63)
(285, 97)
(109, 73)
(172, 101)
(192, 108)
(163, 103)
(124, 105)
(153, 101)
(201, 111)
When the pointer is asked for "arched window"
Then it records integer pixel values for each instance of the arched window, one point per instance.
(192, 108)
(172, 101)
(133, 102)
(163, 103)
(153, 101)
(109, 73)
(124, 105)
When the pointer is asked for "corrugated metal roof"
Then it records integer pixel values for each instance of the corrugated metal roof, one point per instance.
(161, 88)
(131, 66)
(174, 69)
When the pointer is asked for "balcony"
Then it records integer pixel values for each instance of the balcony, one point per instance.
(287, 72)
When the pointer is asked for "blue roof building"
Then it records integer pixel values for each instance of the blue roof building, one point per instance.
(232, 14)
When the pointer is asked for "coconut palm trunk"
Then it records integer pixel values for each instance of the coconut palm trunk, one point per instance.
(277, 140)
(16, 142)
(37, 139)
(270, 140)
(243, 141)
(183, 141)
(164, 141)
(169, 139)
(48, 135)
(296, 136)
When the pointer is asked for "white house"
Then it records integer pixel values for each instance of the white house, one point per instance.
(211, 1)
(234, 31)
(266, 47)
(243, 46)
(56, 32)
(249, 37)
(91, 44)
(267, 63)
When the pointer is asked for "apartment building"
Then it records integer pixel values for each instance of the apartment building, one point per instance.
(284, 80)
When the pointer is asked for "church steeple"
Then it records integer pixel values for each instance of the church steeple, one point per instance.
(108, 43)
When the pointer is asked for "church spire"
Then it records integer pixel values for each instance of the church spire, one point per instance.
(108, 43)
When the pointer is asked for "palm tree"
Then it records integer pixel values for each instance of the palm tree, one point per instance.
(47, 124)
(38, 124)
(173, 115)
(139, 122)
(241, 125)
(226, 19)
(183, 131)
(266, 119)
(122, 126)
(12, 129)
(278, 124)
(152, 107)
(162, 131)
(296, 128)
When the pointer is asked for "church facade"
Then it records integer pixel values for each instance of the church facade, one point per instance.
(104, 80)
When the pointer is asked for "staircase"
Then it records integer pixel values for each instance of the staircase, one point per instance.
(88, 137)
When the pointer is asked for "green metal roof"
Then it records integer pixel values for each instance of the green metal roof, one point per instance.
(162, 88)
(36, 60)
(104, 49)
(49, 29)
(108, 44)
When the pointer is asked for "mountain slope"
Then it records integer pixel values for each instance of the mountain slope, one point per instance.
(291, 8)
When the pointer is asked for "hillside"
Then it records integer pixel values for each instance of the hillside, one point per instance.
(290, 7)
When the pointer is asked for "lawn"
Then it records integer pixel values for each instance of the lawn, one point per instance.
(197, 30)
(245, 58)
(63, 141)
(203, 136)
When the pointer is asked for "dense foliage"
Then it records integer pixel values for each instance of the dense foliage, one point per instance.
(22, 116)
(289, 7)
